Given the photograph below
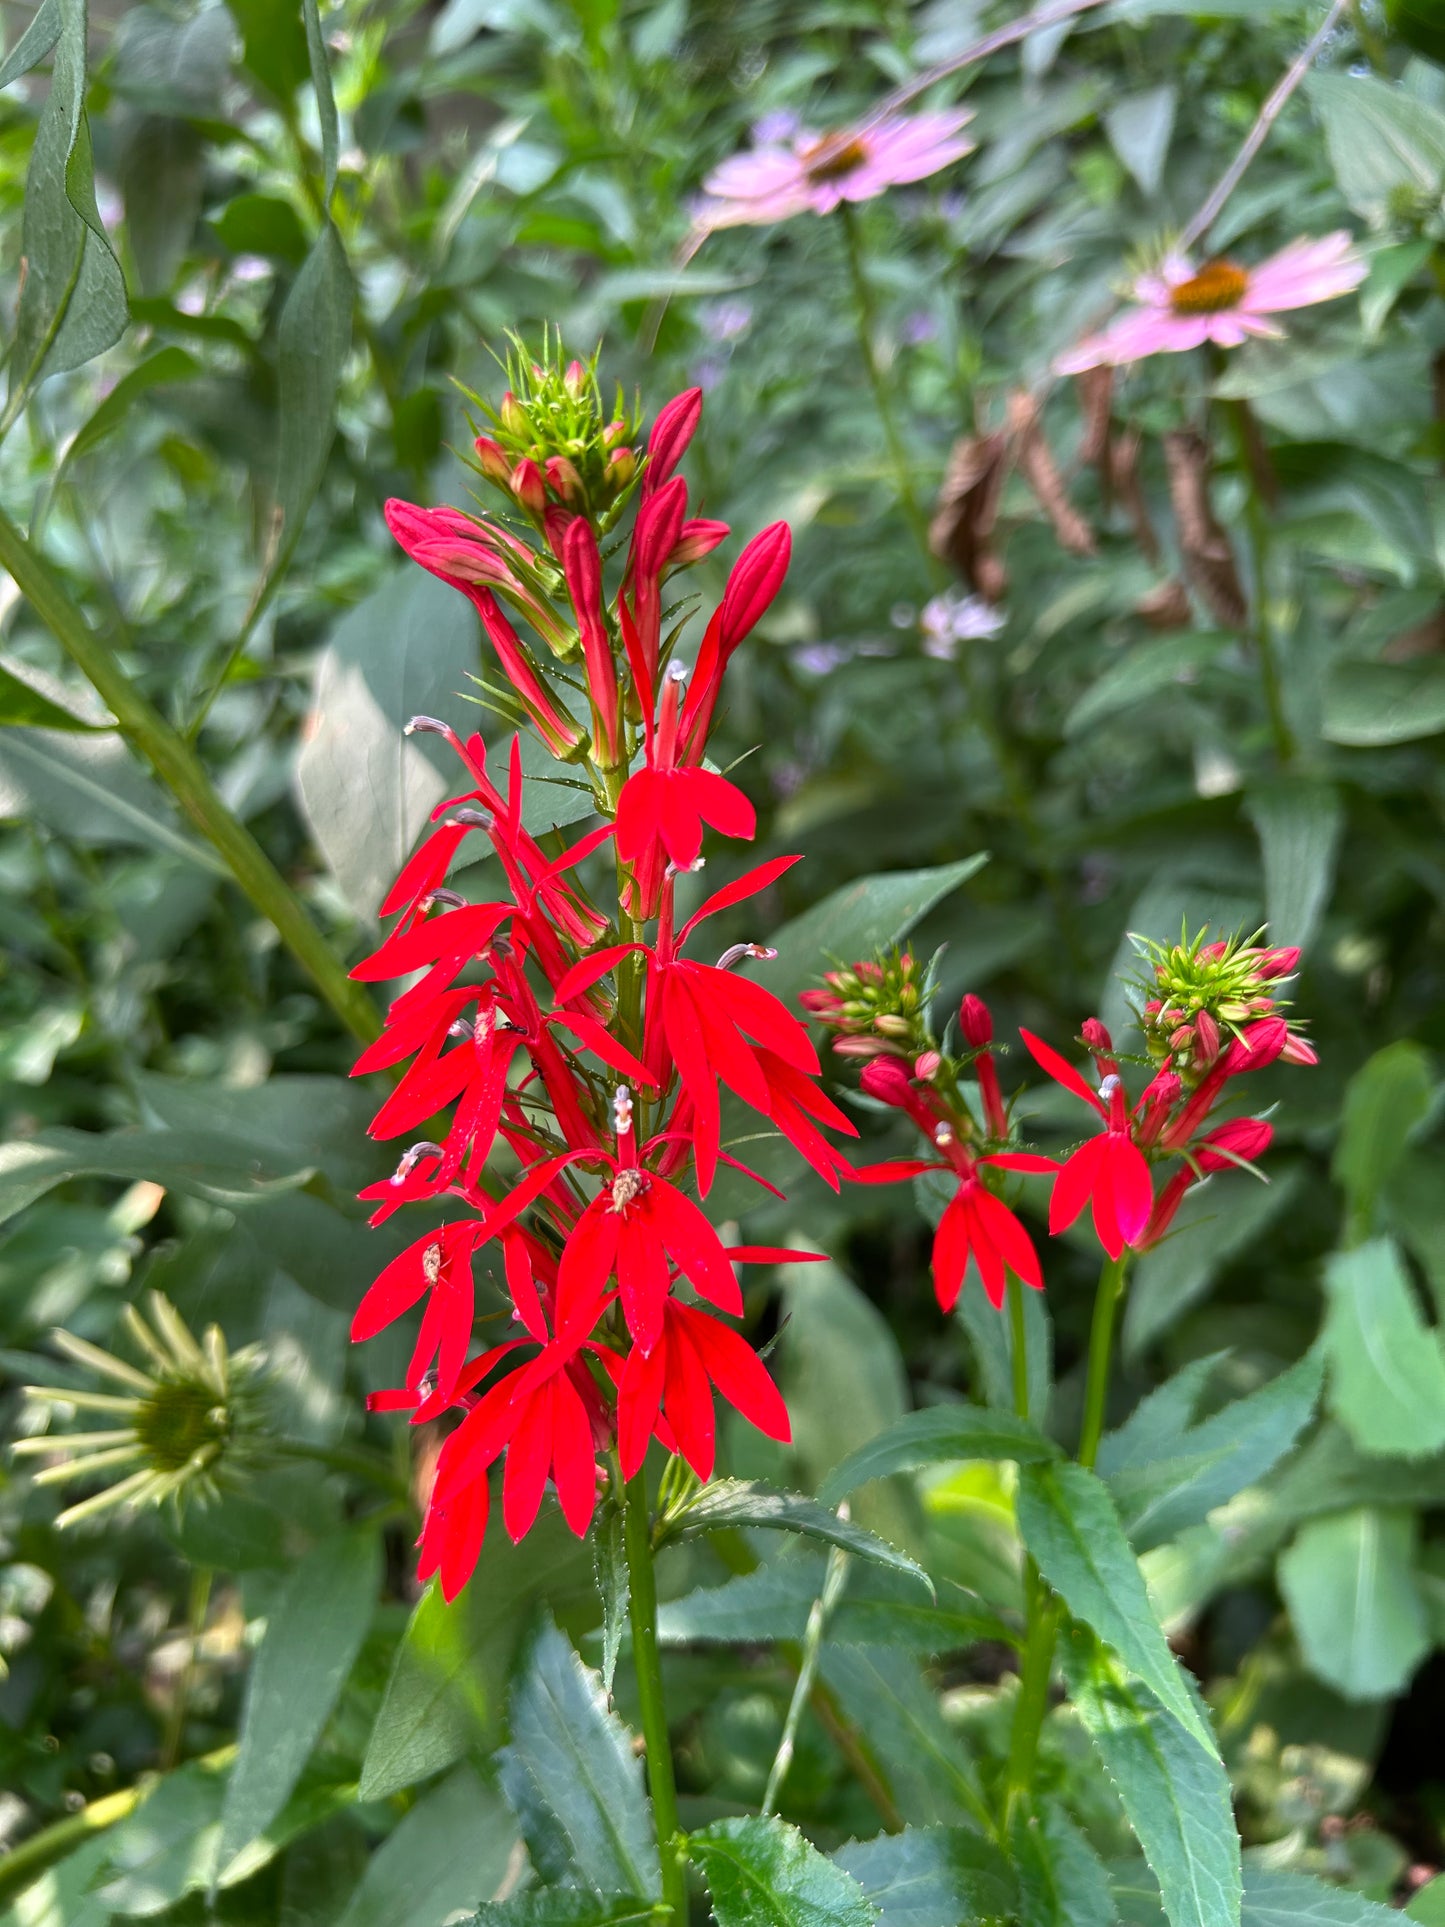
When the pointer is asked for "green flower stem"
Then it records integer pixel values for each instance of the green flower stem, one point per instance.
(1101, 1347)
(1037, 1663)
(200, 1601)
(642, 1616)
(1256, 520)
(180, 769)
(898, 453)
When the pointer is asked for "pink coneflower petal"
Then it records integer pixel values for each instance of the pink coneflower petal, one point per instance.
(1303, 273)
(813, 173)
(1137, 334)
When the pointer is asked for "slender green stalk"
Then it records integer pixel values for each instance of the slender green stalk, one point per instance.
(1037, 1663)
(1101, 1347)
(195, 1626)
(835, 1578)
(180, 769)
(642, 1616)
(898, 453)
(1256, 519)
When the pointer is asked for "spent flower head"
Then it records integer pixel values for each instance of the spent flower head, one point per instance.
(192, 1414)
(1196, 995)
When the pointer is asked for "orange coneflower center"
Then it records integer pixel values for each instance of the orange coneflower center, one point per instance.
(831, 158)
(1217, 286)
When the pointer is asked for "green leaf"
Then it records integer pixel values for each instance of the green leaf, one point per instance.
(939, 1432)
(1383, 141)
(1427, 1907)
(856, 921)
(900, 1725)
(1384, 1102)
(312, 340)
(925, 1875)
(1299, 832)
(562, 1907)
(878, 1608)
(325, 99)
(1371, 704)
(1217, 1220)
(1387, 1376)
(609, 1562)
(22, 704)
(274, 43)
(92, 788)
(449, 1676)
(451, 1851)
(1139, 127)
(1275, 1898)
(63, 1895)
(990, 1339)
(1349, 1583)
(1166, 1478)
(1144, 670)
(1069, 1525)
(572, 1777)
(302, 1119)
(1176, 1794)
(313, 1635)
(156, 371)
(40, 35)
(748, 1502)
(763, 1873)
(72, 297)
(1062, 1882)
(201, 1165)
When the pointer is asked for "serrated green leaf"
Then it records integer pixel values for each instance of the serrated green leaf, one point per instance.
(1175, 1794)
(1166, 1478)
(572, 1777)
(1070, 1526)
(858, 920)
(763, 1873)
(1385, 1100)
(1062, 1882)
(748, 1502)
(1349, 1582)
(939, 1432)
(1387, 1375)
(313, 1635)
(562, 1907)
(1276, 1898)
(925, 1875)
(900, 1725)
(449, 1676)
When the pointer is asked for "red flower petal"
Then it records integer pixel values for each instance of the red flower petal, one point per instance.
(1062, 1072)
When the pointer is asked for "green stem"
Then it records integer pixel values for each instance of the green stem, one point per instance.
(1101, 1346)
(835, 1577)
(642, 1616)
(180, 769)
(195, 1627)
(1037, 1663)
(898, 453)
(1256, 518)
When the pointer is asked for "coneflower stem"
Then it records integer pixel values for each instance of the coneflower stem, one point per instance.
(882, 401)
(647, 1664)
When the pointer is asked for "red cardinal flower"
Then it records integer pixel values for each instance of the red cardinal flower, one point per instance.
(669, 1390)
(1108, 1170)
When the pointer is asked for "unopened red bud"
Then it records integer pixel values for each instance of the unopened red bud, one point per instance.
(887, 1079)
(1278, 963)
(975, 1021)
(698, 538)
(820, 1002)
(1096, 1036)
(1256, 1047)
(927, 1065)
(492, 459)
(529, 488)
(862, 1047)
(1298, 1051)
(674, 428)
(1213, 952)
(614, 433)
(1206, 1040)
(1242, 1140)
(566, 483)
(575, 379)
(890, 1025)
(1182, 1038)
(868, 973)
(1153, 1007)
(621, 467)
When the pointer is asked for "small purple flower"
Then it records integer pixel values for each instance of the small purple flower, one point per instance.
(725, 320)
(918, 328)
(951, 619)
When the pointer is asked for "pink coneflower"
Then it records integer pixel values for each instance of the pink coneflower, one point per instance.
(808, 173)
(1183, 307)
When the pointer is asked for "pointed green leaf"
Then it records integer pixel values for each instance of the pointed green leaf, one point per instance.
(748, 1502)
(312, 339)
(900, 1725)
(1385, 1100)
(1069, 1525)
(1382, 139)
(1387, 1376)
(1176, 1794)
(939, 1432)
(1299, 826)
(879, 1608)
(23, 705)
(325, 99)
(609, 1560)
(40, 35)
(450, 1852)
(1275, 1898)
(313, 1635)
(763, 1873)
(1349, 1583)
(925, 1875)
(1062, 1882)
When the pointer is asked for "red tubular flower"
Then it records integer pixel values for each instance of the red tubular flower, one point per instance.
(756, 577)
(583, 566)
(669, 1390)
(1108, 1170)
(655, 535)
(976, 1024)
(440, 1263)
(674, 428)
(697, 539)
(1241, 1141)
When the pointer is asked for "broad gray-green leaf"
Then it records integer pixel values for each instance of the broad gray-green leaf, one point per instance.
(1143, 670)
(1163, 1484)
(72, 296)
(990, 1339)
(92, 788)
(1385, 1100)
(325, 98)
(40, 35)
(312, 338)
(449, 1676)
(572, 1777)
(1069, 1525)
(1382, 140)
(63, 1895)
(1387, 1376)
(1368, 705)
(1349, 1582)
(297, 1118)
(856, 921)
(1299, 832)
(1217, 1220)
(925, 1764)
(939, 1432)
(562, 1907)
(313, 1634)
(925, 1875)
(878, 1609)
(748, 1502)
(1139, 127)
(763, 1873)
(23, 705)
(1276, 1898)
(451, 1852)
(1176, 1794)
(199, 1164)
(1062, 1882)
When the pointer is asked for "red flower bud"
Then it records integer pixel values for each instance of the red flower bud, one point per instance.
(492, 458)
(1243, 1138)
(575, 379)
(927, 1065)
(674, 428)
(528, 487)
(756, 577)
(1206, 1040)
(888, 1080)
(566, 483)
(975, 1022)
(862, 1047)
(1255, 1047)
(621, 467)
(698, 538)
(1278, 963)
(1298, 1051)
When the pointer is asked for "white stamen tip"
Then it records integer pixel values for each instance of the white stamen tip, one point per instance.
(943, 1134)
(677, 672)
(1109, 1086)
